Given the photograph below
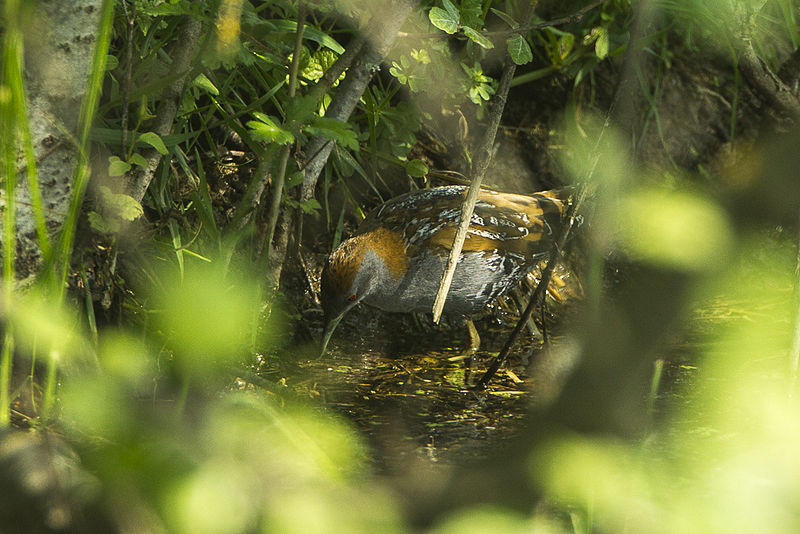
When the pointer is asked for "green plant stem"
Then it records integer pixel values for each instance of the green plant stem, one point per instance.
(280, 174)
(81, 180)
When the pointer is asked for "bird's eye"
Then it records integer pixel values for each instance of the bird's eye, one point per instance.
(351, 298)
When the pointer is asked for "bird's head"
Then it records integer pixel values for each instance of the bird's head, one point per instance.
(339, 286)
(359, 267)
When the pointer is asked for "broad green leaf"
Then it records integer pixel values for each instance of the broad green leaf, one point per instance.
(417, 168)
(310, 206)
(154, 141)
(443, 20)
(451, 8)
(205, 84)
(123, 206)
(138, 159)
(602, 43)
(111, 62)
(266, 130)
(309, 32)
(263, 117)
(477, 37)
(335, 130)
(127, 208)
(117, 167)
(519, 49)
(99, 224)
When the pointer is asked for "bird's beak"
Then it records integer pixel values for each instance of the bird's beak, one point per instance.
(330, 326)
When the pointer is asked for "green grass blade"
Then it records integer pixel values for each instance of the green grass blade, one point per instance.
(5, 378)
(12, 50)
(88, 108)
(175, 233)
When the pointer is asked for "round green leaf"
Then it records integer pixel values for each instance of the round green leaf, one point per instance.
(417, 168)
(519, 49)
(138, 159)
(111, 62)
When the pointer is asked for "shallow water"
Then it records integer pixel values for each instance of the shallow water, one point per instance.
(397, 381)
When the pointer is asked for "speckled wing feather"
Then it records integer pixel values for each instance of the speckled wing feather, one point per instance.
(523, 224)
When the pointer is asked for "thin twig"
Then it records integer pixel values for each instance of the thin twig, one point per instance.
(766, 82)
(623, 96)
(481, 164)
(541, 289)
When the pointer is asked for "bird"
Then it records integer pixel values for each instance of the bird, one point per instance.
(395, 259)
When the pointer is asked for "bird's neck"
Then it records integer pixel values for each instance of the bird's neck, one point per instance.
(386, 247)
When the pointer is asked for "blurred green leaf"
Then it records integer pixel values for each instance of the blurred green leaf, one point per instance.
(207, 319)
(124, 356)
(54, 329)
(95, 407)
(602, 43)
(117, 167)
(674, 229)
(483, 519)
(214, 498)
(123, 206)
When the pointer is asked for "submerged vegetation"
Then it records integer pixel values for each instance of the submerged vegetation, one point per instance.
(175, 171)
